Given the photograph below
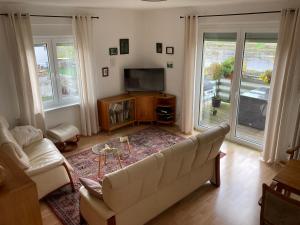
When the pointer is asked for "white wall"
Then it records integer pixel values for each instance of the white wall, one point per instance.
(165, 27)
(143, 28)
(112, 25)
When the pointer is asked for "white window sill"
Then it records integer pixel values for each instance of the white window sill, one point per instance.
(61, 107)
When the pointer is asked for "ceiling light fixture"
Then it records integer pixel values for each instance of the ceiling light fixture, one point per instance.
(154, 0)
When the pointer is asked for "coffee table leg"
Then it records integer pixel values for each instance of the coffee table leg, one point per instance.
(128, 145)
(99, 166)
(119, 161)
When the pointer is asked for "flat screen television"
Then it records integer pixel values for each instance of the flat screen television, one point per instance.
(144, 79)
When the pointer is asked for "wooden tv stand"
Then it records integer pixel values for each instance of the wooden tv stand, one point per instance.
(122, 110)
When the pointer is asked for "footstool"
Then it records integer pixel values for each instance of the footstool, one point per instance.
(64, 134)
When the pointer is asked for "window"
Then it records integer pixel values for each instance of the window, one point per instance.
(233, 81)
(56, 70)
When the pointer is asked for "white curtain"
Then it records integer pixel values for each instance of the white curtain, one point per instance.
(281, 129)
(83, 33)
(19, 37)
(296, 138)
(190, 56)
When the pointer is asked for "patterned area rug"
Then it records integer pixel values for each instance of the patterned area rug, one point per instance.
(65, 203)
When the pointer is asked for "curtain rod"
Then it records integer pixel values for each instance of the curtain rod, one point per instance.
(237, 14)
(35, 15)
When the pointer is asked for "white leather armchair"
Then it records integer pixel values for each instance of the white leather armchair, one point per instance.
(40, 160)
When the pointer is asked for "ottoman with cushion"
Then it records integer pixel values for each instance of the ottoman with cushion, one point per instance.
(64, 134)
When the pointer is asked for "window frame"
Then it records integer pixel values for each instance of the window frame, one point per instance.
(58, 100)
(241, 30)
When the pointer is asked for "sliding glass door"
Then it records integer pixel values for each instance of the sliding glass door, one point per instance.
(258, 61)
(217, 70)
(233, 81)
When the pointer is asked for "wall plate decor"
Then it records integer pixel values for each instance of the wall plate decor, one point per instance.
(124, 46)
(159, 47)
(113, 51)
(169, 65)
(105, 71)
(170, 50)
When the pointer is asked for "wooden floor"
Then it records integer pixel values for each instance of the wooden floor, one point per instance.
(234, 203)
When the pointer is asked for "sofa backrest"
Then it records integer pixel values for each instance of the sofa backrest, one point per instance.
(178, 160)
(209, 143)
(127, 186)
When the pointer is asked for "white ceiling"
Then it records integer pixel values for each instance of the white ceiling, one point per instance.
(136, 4)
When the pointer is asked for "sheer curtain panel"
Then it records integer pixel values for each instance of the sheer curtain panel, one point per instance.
(83, 33)
(190, 55)
(283, 113)
(19, 38)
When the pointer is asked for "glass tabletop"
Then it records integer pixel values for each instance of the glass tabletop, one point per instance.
(99, 149)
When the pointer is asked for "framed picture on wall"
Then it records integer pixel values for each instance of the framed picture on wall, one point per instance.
(170, 50)
(105, 72)
(159, 47)
(124, 46)
(113, 51)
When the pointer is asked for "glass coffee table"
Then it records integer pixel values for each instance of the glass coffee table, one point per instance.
(114, 149)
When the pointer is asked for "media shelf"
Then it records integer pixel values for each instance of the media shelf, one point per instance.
(166, 109)
(116, 112)
(122, 110)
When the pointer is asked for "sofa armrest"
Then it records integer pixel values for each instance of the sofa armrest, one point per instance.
(94, 210)
(41, 166)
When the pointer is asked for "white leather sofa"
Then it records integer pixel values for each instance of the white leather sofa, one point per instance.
(141, 191)
(40, 160)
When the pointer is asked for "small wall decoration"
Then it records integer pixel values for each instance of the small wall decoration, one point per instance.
(113, 51)
(124, 46)
(170, 50)
(169, 65)
(105, 71)
(159, 47)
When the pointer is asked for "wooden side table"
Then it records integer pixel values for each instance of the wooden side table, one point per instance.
(19, 202)
(289, 177)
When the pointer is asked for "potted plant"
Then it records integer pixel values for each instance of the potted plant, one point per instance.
(214, 111)
(266, 76)
(228, 67)
(216, 101)
(215, 70)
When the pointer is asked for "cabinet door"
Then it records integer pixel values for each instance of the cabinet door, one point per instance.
(145, 108)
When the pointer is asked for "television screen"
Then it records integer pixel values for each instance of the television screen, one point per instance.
(144, 79)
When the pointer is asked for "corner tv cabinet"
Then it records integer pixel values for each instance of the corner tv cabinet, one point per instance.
(122, 110)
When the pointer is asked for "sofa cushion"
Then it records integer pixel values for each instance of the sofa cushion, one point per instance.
(125, 187)
(12, 148)
(93, 187)
(43, 155)
(63, 132)
(178, 160)
(26, 135)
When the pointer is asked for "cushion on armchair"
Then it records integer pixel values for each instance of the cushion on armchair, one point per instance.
(26, 135)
